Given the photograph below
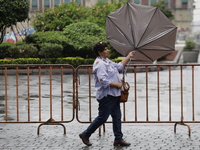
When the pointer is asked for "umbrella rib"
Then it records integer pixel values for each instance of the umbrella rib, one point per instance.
(157, 38)
(118, 42)
(148, 43)
(130, 20)
(147, 27)
(121, 32)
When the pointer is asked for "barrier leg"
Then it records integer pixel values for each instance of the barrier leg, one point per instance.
(104, 129)
(182, 123)
(50, 122)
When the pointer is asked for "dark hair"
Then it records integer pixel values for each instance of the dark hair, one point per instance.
(99, 46)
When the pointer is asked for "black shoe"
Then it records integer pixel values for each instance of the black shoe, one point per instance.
(121, 143)
(85, 140)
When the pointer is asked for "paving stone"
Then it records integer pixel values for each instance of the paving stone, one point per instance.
(148, 137)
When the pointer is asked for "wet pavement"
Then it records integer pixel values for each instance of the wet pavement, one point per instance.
(141, 137)
(144, 136)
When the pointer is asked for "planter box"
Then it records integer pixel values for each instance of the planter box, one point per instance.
(190, 56)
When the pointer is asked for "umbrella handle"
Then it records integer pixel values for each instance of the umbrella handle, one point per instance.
(128, 64)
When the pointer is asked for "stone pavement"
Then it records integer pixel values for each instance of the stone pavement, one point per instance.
(146, 136)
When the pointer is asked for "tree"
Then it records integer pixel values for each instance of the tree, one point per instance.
(167, 12)
(11, 12)
(55, 19)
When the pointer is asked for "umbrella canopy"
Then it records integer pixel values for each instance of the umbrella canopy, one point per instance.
(140, 28)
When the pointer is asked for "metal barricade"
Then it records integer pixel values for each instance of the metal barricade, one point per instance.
(161, 98)
(35, 89)
(164, 93)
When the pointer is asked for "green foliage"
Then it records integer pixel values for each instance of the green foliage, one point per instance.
(78, 36)
(49, 50)
(163, 57)
(117, 60)
(57, 18)
(5, 61)
(20, 43)
(11, 12)
(77, 39)
(89, 61)
(74, 61)
(82, 36)
(26, 61)
(54, 37)
(167, 12)
(21, 61)
(23, 51)
(4, 52)
(189, 45)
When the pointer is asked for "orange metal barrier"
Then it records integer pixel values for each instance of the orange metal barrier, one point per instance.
(178, 106)
(152, 98)
(38, 71)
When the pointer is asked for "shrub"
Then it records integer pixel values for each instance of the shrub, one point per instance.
(82, 36)
(189, 45)
(89, 61)
(26, 61)
(163, 57)
(49, 50)
(117, 60)
(23, 51)
(54, 37)
(48, 60)
(5, 61)
(20, 43)
(4, 49)
(74, 61)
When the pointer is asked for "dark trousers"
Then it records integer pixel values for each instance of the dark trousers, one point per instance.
(107, 106)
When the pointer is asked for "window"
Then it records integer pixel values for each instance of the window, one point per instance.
(166, 1)
(34, 3)
(153, 1)
(67, 1)
(184, 1)
(56, 2)
(78, 2)
(136, 1)
(46, 3)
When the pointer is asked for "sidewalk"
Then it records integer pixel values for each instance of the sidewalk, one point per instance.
(141, 136)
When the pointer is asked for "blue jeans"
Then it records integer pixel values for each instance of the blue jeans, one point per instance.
(107, 106)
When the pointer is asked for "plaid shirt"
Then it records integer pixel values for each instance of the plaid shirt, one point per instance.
(105, 71)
